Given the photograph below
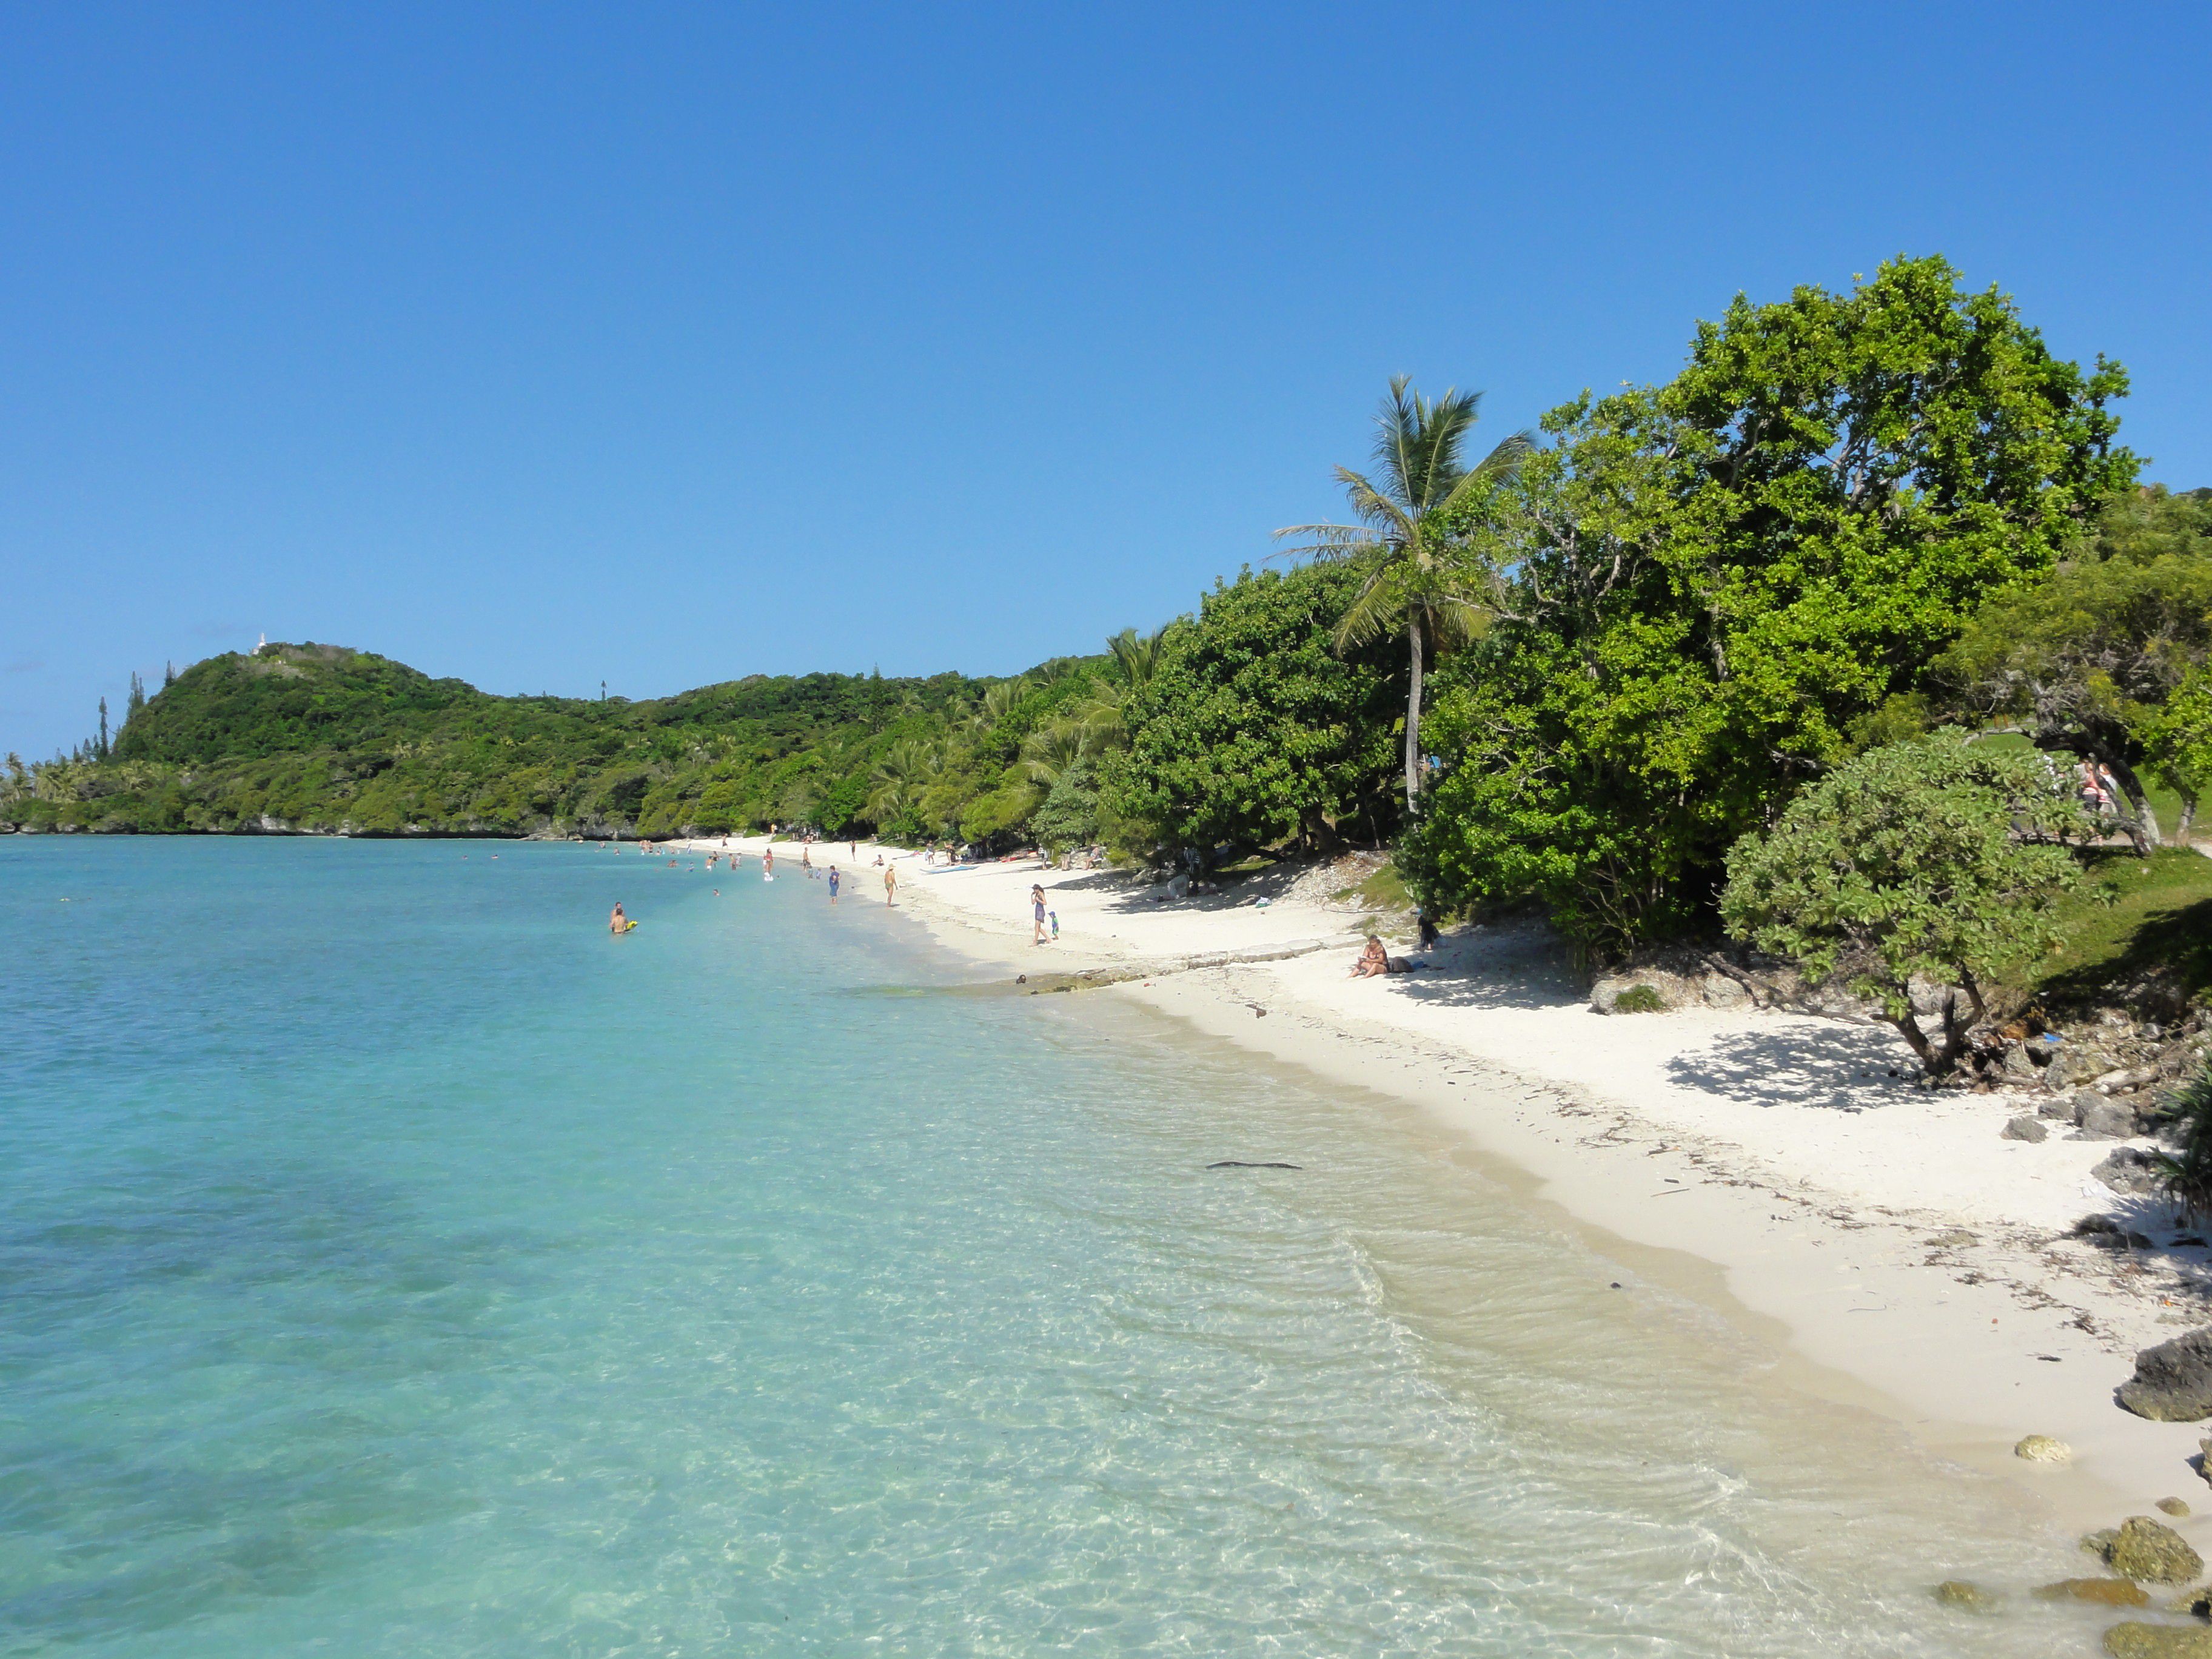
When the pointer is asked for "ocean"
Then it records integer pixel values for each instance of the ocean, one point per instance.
(392, 1261)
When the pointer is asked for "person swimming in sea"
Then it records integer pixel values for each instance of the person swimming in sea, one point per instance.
(619, 923)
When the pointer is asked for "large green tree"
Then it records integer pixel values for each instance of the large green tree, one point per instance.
(1705, 592)
(1254, 731)
(1415, 579)
(1935, 859)
(2109, 659)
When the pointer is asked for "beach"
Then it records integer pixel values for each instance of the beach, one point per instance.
(1890, 1250)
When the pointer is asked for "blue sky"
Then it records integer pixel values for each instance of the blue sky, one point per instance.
(543, 345)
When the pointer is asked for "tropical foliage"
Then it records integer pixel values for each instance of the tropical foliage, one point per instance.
(1940, 858)
(1707, 593)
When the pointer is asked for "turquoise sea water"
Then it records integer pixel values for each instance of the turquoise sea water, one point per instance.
(393, 1263)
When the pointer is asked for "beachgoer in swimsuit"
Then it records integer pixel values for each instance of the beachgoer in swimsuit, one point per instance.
(1372, 961)
(833, 883)
(619, 923)
(1037, 914)
(891, 882)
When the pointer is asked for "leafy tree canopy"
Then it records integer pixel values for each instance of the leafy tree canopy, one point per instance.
(2108, 660)
(1918, 860)
(1253, 732)
(1706, 590)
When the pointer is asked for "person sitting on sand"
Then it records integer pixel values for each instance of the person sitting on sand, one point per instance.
(1372, 961)
(619, 923)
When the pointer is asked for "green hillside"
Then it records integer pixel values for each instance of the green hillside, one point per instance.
(321, 737)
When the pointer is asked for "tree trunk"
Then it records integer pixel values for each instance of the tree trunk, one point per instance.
(2188, 820)
(2143, 831)
(1413, 715)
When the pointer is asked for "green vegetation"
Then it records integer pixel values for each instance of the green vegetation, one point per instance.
(2111, 659)
(323, 738)
(2187, 1171)
(1709, 593)
(1935, 859)
(1412, 579)
(2137, 930)
(1639, 999)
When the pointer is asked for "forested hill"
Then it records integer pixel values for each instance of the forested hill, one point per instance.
(319, 738)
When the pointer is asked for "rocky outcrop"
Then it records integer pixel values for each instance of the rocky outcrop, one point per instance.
(2172, 1382)
(2026, 1129)
(2131, 1170)
(1967, 1597)
(2150, 1551)
(2098, 1592)
(2139, 1641)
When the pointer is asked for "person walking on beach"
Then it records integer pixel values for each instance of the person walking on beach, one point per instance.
(890, 885)
(806, 859)
(833, 884)
(767, 860)
(1036, 913)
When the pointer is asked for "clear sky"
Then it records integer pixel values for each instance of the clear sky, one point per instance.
(660, 344)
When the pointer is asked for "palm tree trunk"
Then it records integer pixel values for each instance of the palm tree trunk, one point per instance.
(1413, 714)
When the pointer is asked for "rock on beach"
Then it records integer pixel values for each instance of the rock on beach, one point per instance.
(2172, 1382)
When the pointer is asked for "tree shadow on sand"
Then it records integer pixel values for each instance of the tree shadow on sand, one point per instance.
(1841, 1068)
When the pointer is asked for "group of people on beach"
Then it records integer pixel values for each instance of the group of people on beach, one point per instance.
(617, 922)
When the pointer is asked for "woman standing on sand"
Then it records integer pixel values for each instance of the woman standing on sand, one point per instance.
(890, 885)
(1036, 913)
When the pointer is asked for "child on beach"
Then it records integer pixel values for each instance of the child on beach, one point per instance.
(1053, 916)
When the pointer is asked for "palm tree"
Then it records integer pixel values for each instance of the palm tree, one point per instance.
(899, 778)
(1050, 750)
(1136, 658)
(1413, 576)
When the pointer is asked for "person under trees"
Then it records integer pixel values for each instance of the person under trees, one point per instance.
(2108, 660)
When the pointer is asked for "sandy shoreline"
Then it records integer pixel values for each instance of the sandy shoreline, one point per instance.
(1750, 1158)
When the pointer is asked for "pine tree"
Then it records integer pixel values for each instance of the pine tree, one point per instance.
(168, 675)
(102, 750)
(137, 698)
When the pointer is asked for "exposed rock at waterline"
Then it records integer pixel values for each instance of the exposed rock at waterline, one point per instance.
(2098, 1592)
(2139, 1641)
(2172, 1382)
(1969, 1598)
(2152, 1552)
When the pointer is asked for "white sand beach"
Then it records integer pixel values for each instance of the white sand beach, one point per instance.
(1896, 1251)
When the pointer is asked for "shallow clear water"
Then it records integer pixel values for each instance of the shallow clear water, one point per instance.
(394, 1262)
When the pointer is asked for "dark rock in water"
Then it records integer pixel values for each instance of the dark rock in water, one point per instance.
(2172, 1382)
(2139, 1641)
(2131, 1169)
(1238, 1164)
(2152, 1552)
(2026, 1129)
(2102, 1592)
(1970, 1598)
